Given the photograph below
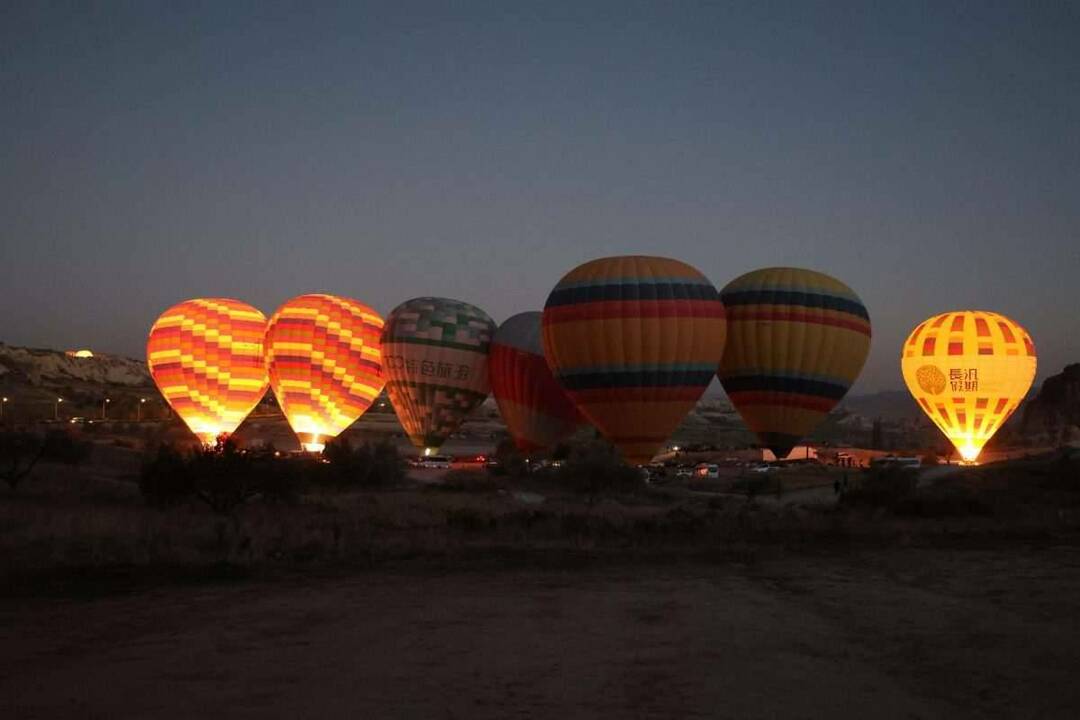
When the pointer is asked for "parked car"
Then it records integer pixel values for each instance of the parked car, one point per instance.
(684, 471)
(706, 471)
(465, 462)
(440, 462)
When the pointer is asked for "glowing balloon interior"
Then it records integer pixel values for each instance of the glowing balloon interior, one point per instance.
(206, 357)
(969, 370)
(324, 358)
(797, 340)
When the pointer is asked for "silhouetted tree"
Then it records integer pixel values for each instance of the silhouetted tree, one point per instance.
(19, 453)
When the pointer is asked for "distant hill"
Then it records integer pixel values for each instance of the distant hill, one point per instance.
(49, 368)
(890, 405)
(1053, 414)
(32, 379)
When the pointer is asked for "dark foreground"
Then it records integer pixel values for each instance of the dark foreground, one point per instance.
(897, 634)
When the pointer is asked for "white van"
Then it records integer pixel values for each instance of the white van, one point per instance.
(441, 462)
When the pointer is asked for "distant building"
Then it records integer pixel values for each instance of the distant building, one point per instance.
(799, 452)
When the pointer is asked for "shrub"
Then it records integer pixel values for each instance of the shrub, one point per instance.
(883, 487)
(369, 465)
(166, 479)
(19, 452)
(596, 468)
(511, 461)
(227, 476)
(223, 477)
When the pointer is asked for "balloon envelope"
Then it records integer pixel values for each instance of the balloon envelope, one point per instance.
(797, 340)
(206, 357)
(635, 341)
(324, 358)
(537, 411)
(968, 370)
(436, 358)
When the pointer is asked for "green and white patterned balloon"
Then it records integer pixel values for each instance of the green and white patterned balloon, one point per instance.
(435, 354)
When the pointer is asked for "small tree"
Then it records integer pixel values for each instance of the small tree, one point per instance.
(19, 453)
(596, 468)
(166, 478)
(510, 459)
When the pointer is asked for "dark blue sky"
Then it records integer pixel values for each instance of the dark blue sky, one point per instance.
(926, 154)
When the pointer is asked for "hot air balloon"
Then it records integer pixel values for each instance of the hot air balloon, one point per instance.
(635, 341)
(436, 354)
(206, 357)
(797, 340)
(537, 411)
(324, 358)
(968, 370)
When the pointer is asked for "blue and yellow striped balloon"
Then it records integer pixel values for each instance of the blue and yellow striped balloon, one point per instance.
(635, 341)
(797, 340)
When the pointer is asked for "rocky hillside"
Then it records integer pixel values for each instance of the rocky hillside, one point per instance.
(51, 368)
(32, 379)
(1054, 413)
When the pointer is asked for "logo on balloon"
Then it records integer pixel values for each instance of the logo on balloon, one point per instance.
(931, 379)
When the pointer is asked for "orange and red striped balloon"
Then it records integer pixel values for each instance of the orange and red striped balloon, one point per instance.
(324, 358)
(206, 357)
(537, 411)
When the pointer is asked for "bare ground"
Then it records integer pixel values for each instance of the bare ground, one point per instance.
(897, 634)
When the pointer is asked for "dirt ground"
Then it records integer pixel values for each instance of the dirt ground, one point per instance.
(902, 634)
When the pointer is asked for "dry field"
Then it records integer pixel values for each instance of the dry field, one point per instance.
(891, 634)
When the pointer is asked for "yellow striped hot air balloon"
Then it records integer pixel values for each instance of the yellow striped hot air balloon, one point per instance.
(968, 370)
(797, 340)
(324, 358)
(206, 357)
(635, 341)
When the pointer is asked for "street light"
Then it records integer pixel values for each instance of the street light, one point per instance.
(104, 403)
(2, 404)
(141, 401)
(56, 408)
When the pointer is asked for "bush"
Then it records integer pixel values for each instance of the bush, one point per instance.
(369, 465)
(226, 476)
(596, 468)
(223, 477)
(19, 452)
(883, 487)
(166, 479)
(511, 461)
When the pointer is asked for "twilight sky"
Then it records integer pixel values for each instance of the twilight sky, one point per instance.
(926, 154)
